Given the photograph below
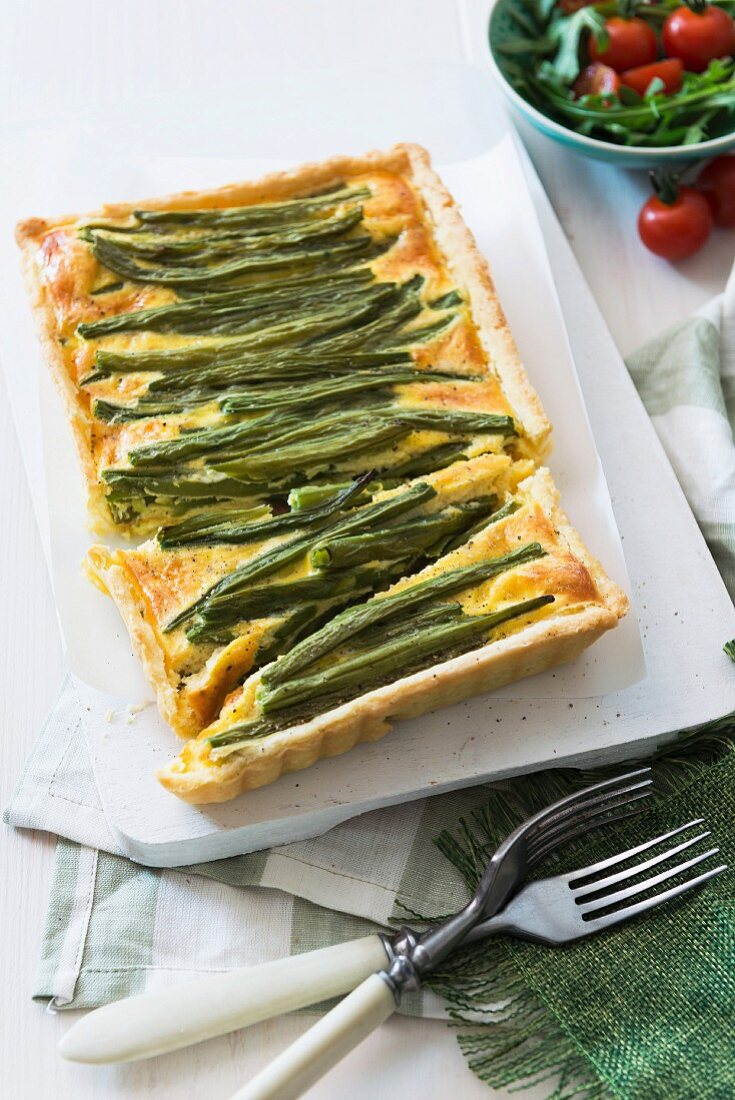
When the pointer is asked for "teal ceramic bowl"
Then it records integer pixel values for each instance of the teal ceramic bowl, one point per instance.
(501, 28)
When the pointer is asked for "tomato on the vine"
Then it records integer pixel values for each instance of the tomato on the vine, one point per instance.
(676, 221)
(670, 71)
(631, 42)
(596, 79)
(717, 184)
(698, 34)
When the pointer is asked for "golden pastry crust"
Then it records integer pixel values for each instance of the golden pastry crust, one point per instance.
(552, 640)
(28, 234)
(472, 271)
(111, 576)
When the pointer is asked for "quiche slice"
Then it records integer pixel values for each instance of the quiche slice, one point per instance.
(339, 315)
(210, 598)
(303, 394)
(521, 595)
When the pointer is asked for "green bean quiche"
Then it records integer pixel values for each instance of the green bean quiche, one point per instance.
(300, 401)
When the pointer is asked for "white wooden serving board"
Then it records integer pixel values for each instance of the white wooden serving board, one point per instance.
(602, 704)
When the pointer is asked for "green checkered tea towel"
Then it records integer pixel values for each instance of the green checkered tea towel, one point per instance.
(645, 1013)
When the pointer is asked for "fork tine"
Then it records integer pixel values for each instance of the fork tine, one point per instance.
(586, 872)
(551, 814)
(647, 884)
(597, 924)
(581, 800)
(589, 813)
(631, 872)
(628, 809)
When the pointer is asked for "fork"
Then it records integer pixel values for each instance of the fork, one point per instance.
(154, 1023)
(553, 911)
(560, 910)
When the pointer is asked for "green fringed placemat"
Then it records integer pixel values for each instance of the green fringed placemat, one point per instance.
(645, 1012)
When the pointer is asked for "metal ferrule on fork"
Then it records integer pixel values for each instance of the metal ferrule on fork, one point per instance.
(401, 976)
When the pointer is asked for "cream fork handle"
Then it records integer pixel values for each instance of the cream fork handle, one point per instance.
(154, 1023)
(324, 1045)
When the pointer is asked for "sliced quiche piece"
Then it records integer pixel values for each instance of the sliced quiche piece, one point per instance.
(217, 349)
(212, 597)
(520, 595)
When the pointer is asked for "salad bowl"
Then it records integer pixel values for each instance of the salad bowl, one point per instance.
(502, 28)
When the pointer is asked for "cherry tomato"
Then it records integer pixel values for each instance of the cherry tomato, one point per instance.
(675, 229)
(670, 71)
(717, 184)
(698, 37)
(596, 79)
(631, 43)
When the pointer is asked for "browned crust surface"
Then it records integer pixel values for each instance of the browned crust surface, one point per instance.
(144, 639)
(472, 271)
(77, 414)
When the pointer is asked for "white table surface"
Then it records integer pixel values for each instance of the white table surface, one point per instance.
(54, 60)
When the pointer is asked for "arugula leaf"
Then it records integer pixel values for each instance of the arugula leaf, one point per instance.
(705, 107)
(567, 32)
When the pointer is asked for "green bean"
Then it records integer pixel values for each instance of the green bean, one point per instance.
(229, 354)
(271, 600)
(143, 408)
(326, 389)
(392, 543)
(358, 674)
(277, 368)
(147, 245)
(213, 528)
(436, 458)
(447, 301)
(205, 441)
(115, 259)
(303, 395)
(125, 484)
(303, 497)
(271, 561)
(353, 621)
(342, 438)
(432, 615)
(484, 521)
(257, 214)
(355, 437)
(194, 314)
(451, 421)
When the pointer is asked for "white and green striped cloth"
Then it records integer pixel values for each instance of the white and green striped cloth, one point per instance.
(114, 928)
(686, 379)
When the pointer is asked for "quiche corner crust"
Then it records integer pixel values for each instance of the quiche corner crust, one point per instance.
(114, 579)
(28, 234)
